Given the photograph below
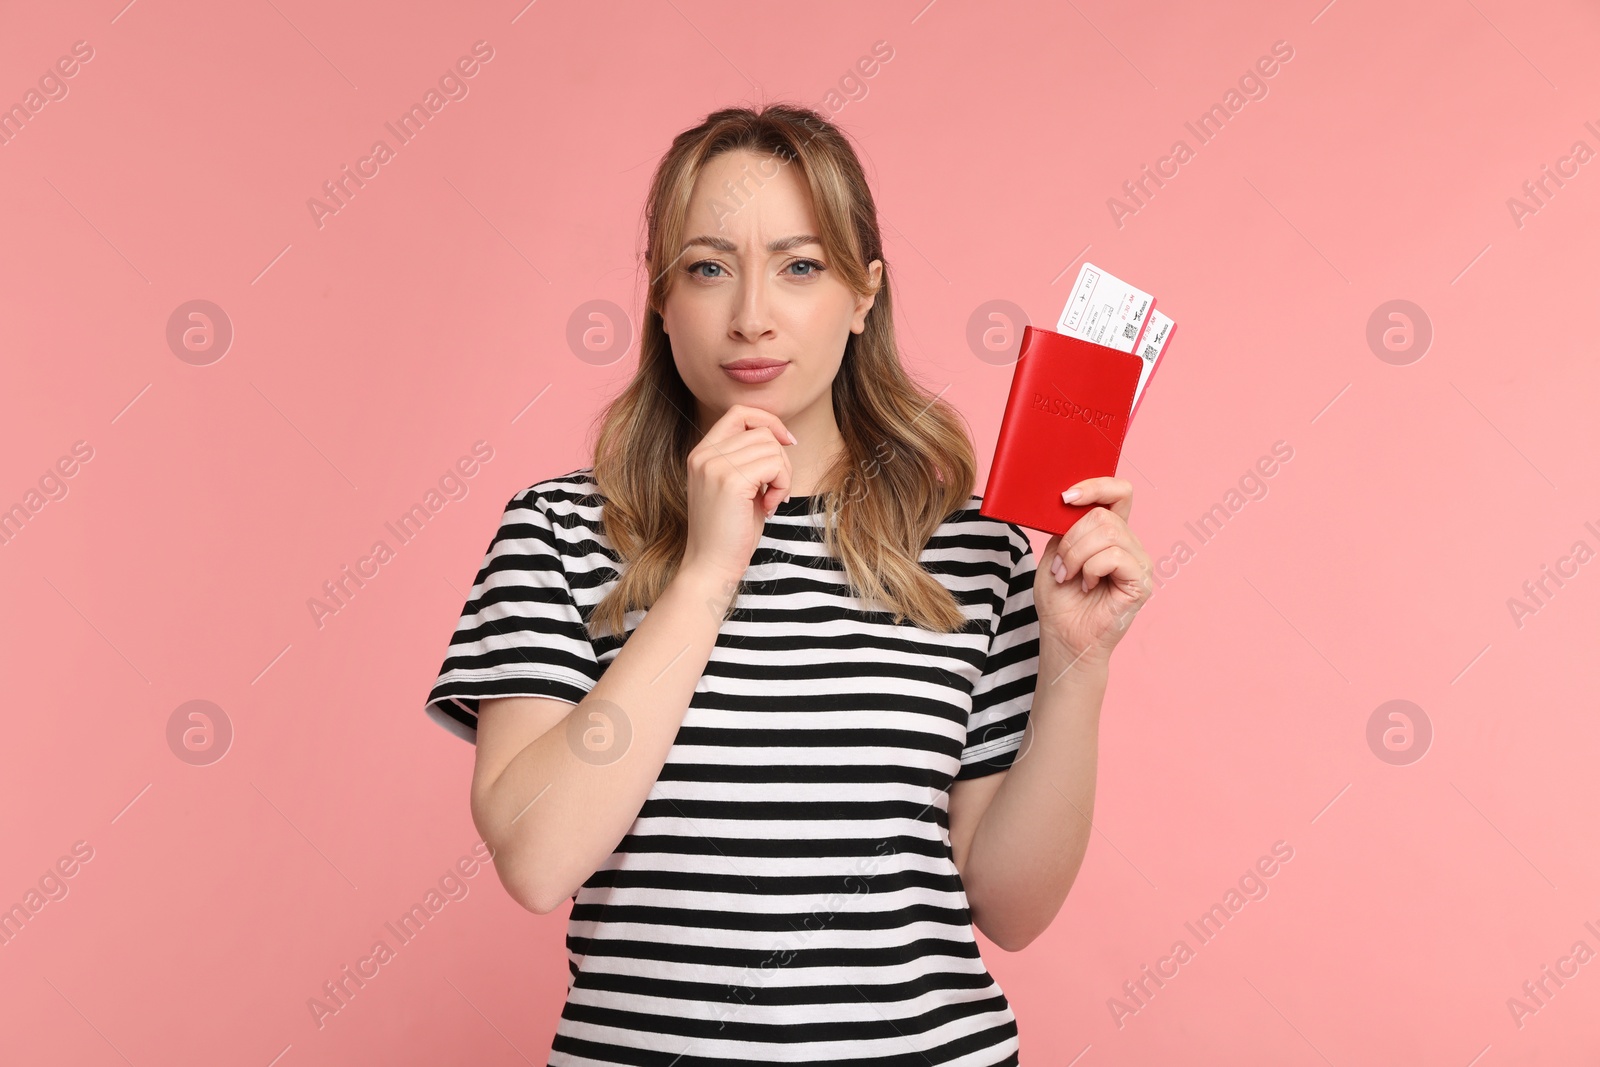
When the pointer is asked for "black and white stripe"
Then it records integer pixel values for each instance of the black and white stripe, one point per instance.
(787, 893)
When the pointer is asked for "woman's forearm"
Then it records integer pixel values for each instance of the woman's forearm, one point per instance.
(1030, 842)
(557, 811)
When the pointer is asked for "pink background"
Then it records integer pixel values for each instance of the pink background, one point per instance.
(433, 311)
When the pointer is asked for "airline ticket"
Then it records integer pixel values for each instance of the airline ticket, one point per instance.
(1106, 311)
(1151, 344)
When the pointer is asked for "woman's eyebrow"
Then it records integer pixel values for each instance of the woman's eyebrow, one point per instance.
(782, 244)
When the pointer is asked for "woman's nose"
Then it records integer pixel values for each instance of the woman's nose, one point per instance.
(751, 318)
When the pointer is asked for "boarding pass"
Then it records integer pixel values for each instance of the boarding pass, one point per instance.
(1108, 311)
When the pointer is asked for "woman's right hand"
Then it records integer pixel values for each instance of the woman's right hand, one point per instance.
(738, 474)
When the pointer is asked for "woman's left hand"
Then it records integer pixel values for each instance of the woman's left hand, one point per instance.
(1093, 579)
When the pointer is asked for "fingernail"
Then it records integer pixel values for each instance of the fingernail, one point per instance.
(1085, 583)
(786, 497)
(793, 440)
(1070, 495)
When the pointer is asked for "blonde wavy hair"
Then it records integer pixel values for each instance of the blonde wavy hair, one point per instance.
(907, 463)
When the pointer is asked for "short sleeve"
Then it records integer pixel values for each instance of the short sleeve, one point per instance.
(1002, 699)
(520, 633)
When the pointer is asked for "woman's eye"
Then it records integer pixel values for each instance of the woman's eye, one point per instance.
(695, 268)
(817, 268)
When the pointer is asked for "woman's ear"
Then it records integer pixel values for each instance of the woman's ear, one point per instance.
(864, 303)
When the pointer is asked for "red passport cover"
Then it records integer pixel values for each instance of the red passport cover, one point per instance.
(1064, 421)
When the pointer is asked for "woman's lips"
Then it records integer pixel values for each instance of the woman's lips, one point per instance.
(754, 371)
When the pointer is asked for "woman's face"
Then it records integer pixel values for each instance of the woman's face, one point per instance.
(756, 313)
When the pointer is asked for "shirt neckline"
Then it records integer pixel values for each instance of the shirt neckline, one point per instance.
(798, 505)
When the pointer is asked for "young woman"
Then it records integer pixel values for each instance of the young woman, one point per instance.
(752, 689)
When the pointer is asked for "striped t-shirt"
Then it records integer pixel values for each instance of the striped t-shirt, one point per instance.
(787, 893)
